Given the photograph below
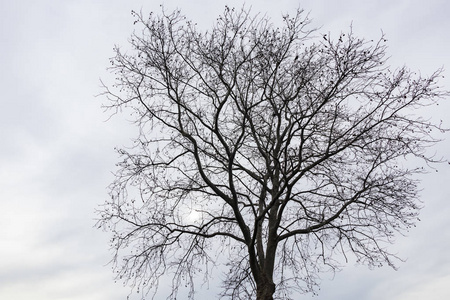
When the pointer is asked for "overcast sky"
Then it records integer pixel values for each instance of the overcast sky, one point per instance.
(57, 151)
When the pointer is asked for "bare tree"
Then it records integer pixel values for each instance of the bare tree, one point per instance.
(272, 151)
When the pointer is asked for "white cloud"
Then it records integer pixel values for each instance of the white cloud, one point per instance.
(435, 288)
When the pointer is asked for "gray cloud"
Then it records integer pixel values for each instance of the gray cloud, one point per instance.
(56, 151)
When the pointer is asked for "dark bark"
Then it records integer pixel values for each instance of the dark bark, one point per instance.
(265, 289)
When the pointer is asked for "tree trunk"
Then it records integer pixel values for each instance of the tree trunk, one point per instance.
(265, 289)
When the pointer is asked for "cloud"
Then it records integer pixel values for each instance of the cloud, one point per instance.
(56, 153)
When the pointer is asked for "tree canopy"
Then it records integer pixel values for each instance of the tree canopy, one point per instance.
(268, 152)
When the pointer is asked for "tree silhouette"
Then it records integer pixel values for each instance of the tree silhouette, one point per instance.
(270, 151)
